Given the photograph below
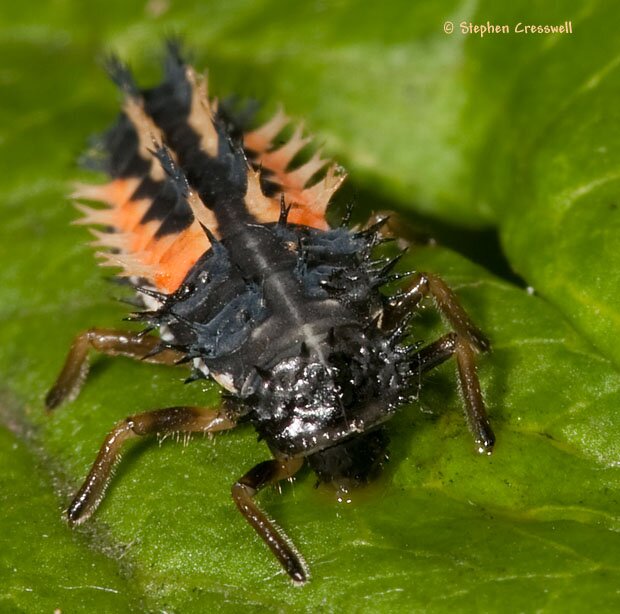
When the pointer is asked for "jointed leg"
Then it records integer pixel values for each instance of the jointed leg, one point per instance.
(243, 491)
(160, 422)
(393, 226)
(465, 342)
(474, 404)
(434, 354)
(448, 305)
(112, 343)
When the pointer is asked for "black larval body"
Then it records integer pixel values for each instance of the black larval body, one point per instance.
(221, 228)
(285, 316)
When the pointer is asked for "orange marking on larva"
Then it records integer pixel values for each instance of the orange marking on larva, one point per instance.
(310, 202)
(128, 216)
(113, 193)
(261, 139)
(280, 158)
(142, 235)
(120, 190)
(269, 212)
(157, 247)
(299, 214)
(176, 262)
(307, 217)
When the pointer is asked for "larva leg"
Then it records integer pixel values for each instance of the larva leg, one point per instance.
(112, 343)
(158, 422)
(474, 403)
(438, 352)
(434, 354)
(243, 492)
(447, 303)
(392, 225)
(468, 340)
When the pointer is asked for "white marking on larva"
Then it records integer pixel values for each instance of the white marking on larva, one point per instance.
(313, 341)
(310, 338)
(148, 132)
(202, 112)
(255, 201)
(225, 380)
(150, 302)
(153, 304)
(199, 365)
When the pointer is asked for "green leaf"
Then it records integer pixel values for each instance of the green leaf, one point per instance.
(456, 127)
(42, 565)
(553, 175)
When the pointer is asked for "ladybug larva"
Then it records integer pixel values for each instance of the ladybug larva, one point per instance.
(226, 242)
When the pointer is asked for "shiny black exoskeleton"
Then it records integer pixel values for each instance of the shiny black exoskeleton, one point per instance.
(296, 336)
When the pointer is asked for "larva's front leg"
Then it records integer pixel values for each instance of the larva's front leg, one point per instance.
(109, 342)
(467, 341)
(158, 422)
(243, 492)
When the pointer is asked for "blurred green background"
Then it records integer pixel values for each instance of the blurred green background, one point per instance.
(505, 148)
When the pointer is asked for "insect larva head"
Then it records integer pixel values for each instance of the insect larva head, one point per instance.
(352, 462)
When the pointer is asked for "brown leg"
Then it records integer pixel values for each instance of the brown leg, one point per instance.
(393, 226)
(448, 305)
(434, 354)
(474, 404)
(160, 422)
(466, 342)
(243, 491)
(438, 352)
(112, 343)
